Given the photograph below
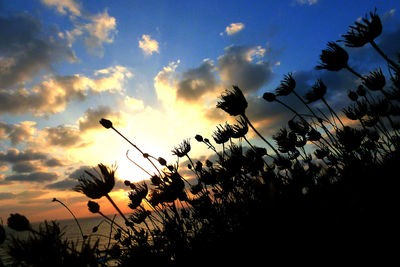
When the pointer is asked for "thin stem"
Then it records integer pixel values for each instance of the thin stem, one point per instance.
(140, 167)
(391, 62)
(76, 220)
(116, 207)
(254, 129)
(331, 110)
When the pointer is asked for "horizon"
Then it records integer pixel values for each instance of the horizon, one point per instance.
(156, 71)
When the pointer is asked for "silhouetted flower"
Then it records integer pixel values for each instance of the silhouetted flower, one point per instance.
(286, 141)
(375, 80)
(334, 58)
(269, 97)
(361, 91)
(18, 222)
(286, 87)
(209, 164)
(363, 33)
(352, 95)
(350, 138)
(313, 135)
(137, 195)
(240, 129)
(233, 102)
(100, 184)
(183, 149)
(93, 206)
(138, 216)
(318, 91)
(300, 127)
(106, 123)
(222, 134)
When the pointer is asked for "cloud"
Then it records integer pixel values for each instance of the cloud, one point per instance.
(77, 173)
(64, 6)
(196, 82)
(234, 28)
(148, 45)
(63, 136)
(95, 30)
(238, 66)
(25, 167)
(27, 48)
(6, 195)
(307, 2)
(66, 184)
(93, 115)
(53, 162)
(53, 94)
(35, 177)
(17, 133)
(13, 155)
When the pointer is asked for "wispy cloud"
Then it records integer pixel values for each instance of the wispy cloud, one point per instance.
(148, 45)
(234, 28)
(307, 2)
(64, 6)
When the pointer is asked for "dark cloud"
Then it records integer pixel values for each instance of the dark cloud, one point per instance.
(35, 177)
(63, 185)
(13, 155)
(63, 136)
(25, 167)
(93, 115)
(78, 173)
(53, 162)
(27, 48)
(195, 82)
(238, 66)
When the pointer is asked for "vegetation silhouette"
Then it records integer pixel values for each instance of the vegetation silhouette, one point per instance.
(326, 189)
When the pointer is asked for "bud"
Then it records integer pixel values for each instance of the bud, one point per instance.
(199, 138)
(145, 155)
(127, 183)
(199, 166)
(189, 166)
(270, 97)
(352, 95)
(94, 230)
(162, 161)
(209, 163)
(106, 123)
(18, 222)
(93, 206)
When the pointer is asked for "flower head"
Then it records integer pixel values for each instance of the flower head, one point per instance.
(287, 85)
(240, 129)
(363, 33)
(318, 91)
(137, 195)
(223, 133)
(100, 184)
(18, 222)
(334, 58)
(375, 80)
(106, 123)
(233, 101)
(183, 149)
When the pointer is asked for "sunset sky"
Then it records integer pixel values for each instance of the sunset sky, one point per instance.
(156, 69)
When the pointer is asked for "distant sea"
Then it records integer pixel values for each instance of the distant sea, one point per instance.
(71, 233)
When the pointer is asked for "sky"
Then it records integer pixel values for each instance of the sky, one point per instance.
(156, 70)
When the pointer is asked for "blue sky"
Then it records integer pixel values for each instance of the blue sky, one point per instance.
(156, 68)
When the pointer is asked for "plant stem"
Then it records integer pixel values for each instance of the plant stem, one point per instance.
(391, 62)
(76, 220)
(254, 129)
(116, 207)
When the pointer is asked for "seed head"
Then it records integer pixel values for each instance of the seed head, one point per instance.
(18, 222)
(233, 101)
(334, 58)
(106, 123)
(93, 206)
(287, 86)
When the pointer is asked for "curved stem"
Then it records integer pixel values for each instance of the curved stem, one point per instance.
(331, 110)
(76, 220)
(137, 165)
